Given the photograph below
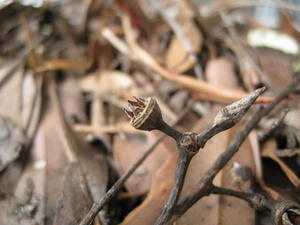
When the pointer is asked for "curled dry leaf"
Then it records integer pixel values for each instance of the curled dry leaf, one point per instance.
(268, 151)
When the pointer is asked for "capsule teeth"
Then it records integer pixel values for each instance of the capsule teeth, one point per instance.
(133, 103)
(129, 113)
(133, 107)
(140, 101)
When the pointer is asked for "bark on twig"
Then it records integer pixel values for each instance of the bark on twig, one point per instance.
(206, 181)
(189, 144)
(97, 206)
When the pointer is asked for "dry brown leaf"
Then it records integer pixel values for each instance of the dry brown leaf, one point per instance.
(275, 64)
(56, 165)
(64, 192)
(127, 151)
(268, 151)
(220, 72)
(187, 40)
(68, 211)
(91, 160)
(154, 202)
(73, 100)
(177, 56)
(287, 24)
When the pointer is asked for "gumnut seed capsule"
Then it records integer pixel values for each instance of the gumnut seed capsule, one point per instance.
(144, 114)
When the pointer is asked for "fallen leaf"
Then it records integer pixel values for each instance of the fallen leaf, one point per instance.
(268, 151)
(177, 56)
(92, 161)
(275, 63)
(127, 151)
(68, 211)
(154, 202)
(187, 37)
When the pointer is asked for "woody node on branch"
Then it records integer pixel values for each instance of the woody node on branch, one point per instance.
(145, 114)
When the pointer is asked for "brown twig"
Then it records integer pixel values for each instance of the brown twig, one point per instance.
(206, 181)
(255, 200)
(189, 144)
(19, 61)
(97, 206)
(213, 93)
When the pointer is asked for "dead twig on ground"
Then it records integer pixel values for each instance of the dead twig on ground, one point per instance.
(97, 206)
(145, 115)
(205, 183)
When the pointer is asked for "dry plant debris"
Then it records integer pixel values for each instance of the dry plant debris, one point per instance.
(208, 75)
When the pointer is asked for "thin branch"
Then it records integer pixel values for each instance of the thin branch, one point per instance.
(205, 182)
(254, 199)
(183, 163)
(19, 61)
(189, 144)
(97, 206)
(136, 53)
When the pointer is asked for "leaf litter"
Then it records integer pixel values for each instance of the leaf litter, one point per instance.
(67, 70)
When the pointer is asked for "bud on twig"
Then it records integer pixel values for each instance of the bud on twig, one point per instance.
(229, 116)
(232, 114)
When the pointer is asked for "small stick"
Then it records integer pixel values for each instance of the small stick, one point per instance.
(189, 144)
(19, 61)
(97, 206)
(256, 200)
(206, 181)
